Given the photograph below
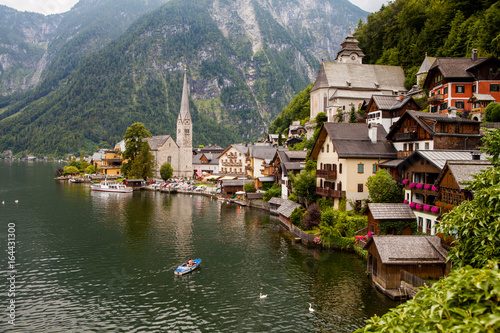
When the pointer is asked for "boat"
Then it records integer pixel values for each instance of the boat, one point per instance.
(111, 186)
(77, 180)
(185, 268)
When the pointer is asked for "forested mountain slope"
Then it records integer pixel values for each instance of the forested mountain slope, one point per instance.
(245, 60)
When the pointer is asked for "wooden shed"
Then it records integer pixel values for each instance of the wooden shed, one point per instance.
(285, 212)
(231, 186)
(380, 213)
(422, 256)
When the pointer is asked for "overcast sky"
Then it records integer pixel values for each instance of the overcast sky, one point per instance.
(59, 6)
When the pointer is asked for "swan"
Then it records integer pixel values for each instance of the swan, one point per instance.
(262, 296)
(310, 308)
(16, 201)
(3, 202)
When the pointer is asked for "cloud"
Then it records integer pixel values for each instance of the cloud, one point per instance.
(40, 6)
(369, 5)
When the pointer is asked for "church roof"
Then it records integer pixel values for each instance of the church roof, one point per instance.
(360, 76)
(184, 112)
(156, 142)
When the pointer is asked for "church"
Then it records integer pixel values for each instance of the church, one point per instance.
(178, 153)
(348, 82)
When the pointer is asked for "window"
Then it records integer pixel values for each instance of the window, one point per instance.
(427, 146)
(473, 88)
(420, 223)
(459, 104)
(361, 168)
(443, 106)
(459, 89)
(405, 146)
(416, 146)
(322, 149)
(186, 131)
(169, 159)
(374, 168)
(445, 90)
(327, 148)
(340, 168)
(360, 187)
(428, 226)
(494, 87)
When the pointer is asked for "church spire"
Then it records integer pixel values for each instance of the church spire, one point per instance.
(184, 112)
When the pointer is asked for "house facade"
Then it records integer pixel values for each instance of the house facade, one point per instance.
(386, 110)
(285, 162)
(347, 154)
(452, 81)
(417, 130)
(381, 216)
(258, 157)
(232, 161)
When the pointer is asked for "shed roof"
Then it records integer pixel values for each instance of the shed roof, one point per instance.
(277, 201)
(391, 211)
(409, 250)
(287, 207)
(439, 157)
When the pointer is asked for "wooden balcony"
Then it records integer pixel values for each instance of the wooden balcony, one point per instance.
(478, 110)
(406, 136)
(325, 192)
(436, 99)
(326, 174)
(231, 163)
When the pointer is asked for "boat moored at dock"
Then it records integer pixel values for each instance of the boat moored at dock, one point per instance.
(111, 186)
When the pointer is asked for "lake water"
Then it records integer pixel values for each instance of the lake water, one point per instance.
(104, 262)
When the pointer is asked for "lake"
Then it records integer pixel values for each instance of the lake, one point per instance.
(103, 262)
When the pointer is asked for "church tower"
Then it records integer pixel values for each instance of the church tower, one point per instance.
(350, 53)
(185, 134)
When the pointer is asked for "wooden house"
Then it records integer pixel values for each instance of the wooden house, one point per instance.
(285, 212)
(386, 109)
(453, 179)
(388, 256)
(479, 102)
(232, 161)
(231, 186)
(452, 81)
(274, 204)
(381, 215)
(417, 130)
(285, 162)
(420, 173)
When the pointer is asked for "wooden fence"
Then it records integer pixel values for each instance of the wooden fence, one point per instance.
(414, 280)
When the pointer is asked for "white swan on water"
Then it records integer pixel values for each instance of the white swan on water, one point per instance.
(310, 308)
(262, 296)
(16, 201)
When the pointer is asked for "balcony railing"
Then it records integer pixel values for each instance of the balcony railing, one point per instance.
(436, 99)
(330, 193)
(406, 136)
(232, 163)
(326, 174)
(478, 110)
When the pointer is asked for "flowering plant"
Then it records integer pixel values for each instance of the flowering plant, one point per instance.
(369, 234)
(427, 186)
(427, 207)
(317, 239)
(412, 205)
(435, 209)
(418, 206)
(434, 188)
(419, 185)
(412, 185)
(405, 181)
(405, 201)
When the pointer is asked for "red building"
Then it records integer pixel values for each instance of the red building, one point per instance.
(452, 82)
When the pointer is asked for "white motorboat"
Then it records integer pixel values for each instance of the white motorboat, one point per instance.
(111, 186)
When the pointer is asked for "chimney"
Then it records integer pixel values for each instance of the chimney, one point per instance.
(452, 112)
(372, 132)
(401, 97)
(474, 54)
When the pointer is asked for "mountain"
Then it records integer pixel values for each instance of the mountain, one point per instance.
(245, 60)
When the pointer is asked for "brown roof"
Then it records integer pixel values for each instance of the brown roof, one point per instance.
(156, 142)
(351, 141)
(456, 67)
(391, 211)
(409, 250)
(463, 171)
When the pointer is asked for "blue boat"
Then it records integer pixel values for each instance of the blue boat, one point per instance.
(186, 268)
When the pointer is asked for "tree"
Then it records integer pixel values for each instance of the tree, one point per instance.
(166, 171)
(69, 170)
(273, 192)
(321, 118)
(491, 145)
(90, 169)
(352, 115)
(142, 166)
(312, 218)
(249, 187)
(492, 112)
(134, 140)
(280, 140)
(304, 186)
(383, 188)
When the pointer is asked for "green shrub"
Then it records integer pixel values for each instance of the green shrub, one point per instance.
(293, 197)
(249, 187)
(296, 218)
(274, 191)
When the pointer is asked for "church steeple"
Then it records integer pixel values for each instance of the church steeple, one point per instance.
(184, 112)
(184, 125)
(350, 53)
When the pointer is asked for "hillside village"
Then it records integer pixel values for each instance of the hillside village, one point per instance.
(430, 155)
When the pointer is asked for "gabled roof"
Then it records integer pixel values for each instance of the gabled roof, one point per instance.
(262, 152)
(463, 171)
(439, 157)
(391, 211)
(481, 98)
(351, 141)
(277, 201)
(236, 182)
(239, 147)
(389, 102)
(212, 159)
(427, 121)
(372, 77)
(156, 142)
(426, 64)
(408, 250)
